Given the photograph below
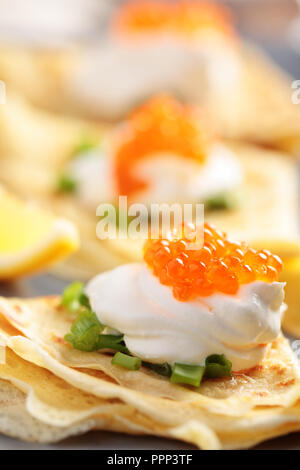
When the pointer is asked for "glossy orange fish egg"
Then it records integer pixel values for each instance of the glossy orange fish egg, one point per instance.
(186, 17)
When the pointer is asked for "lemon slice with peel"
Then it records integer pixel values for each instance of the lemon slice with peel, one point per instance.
(31, 238)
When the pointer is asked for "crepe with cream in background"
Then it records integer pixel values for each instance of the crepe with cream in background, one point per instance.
(207, 64)
(250, 191)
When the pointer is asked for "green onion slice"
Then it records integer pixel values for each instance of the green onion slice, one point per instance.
(217, 365)
(114, 342)
(187, 374)
(226, 200)
(74, 297)
(66, 184)
(162, 369)
(84, 300)
(129, 362)
(85, 332)
(85, 145)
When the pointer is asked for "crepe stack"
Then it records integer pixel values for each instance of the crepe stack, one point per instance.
(50, 391)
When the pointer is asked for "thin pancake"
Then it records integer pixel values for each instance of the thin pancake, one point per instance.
(228, 413)
(35, 145)
(36, 405)
(260, 110)
(266, 114)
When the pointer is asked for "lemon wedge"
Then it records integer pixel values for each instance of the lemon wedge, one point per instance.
(31, 238)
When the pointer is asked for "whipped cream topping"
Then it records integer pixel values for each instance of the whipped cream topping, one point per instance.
(92, 172)
(116, 75)
(171, 178)
(158, 328)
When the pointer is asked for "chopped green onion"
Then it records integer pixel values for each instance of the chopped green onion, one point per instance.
(217, 365)
(84, 300)
(73, 297)
(129, 362)
(85, 145)
(66, 184)
(162, 369)
(85, 332)
(226, 200)
(187, 374)
(114, 342)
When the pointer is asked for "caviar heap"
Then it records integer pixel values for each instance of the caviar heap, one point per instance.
(187, 18)
(221, 265)
(162, 125)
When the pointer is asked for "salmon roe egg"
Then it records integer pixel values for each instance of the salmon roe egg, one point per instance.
(220, 265)
(186, 18)
(160, 125)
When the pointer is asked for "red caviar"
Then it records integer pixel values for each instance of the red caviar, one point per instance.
(160, 125)
(221, 265)
(182, 17)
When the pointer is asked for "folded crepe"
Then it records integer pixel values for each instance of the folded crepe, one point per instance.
(265, 113)
(258, 110)
(52, 391)
(35, 145)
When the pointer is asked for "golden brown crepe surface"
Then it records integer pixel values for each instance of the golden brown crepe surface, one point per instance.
(291, 275)
(223, 413)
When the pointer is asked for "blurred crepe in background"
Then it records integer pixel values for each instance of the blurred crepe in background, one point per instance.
(40, 45)
(78, 65)
(49, 24)
(36, 144)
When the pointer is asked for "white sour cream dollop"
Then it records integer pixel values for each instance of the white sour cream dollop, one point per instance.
(114, 76)
(158, 328)
(170, 177)
(92, 172)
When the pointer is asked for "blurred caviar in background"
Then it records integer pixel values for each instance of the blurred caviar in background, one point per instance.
(54, 27)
